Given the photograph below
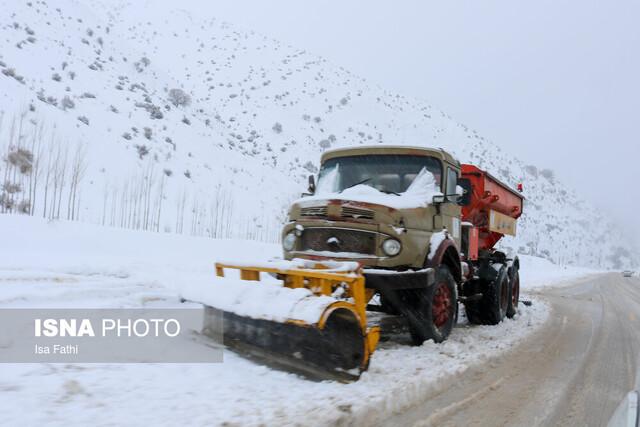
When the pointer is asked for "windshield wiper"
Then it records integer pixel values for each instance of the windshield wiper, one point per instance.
(389, 192)
(353, 185)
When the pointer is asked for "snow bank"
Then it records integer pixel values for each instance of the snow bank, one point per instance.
(536, 273)
(419, 194)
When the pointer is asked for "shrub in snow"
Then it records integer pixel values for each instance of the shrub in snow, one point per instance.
(72, 75)
(548, 173)
(187, 173)
(127, 136)
(277, 128)
(178, 97)
(11, 188)
(156, 113)
(310, 167)
(84, 120)
(325, 143)
(67, 103)
(186, 121)
(24, 207)
(142, 64)
(143, 150)
(168, 172)
(148, 133)
(22, 159)
(87, 95)
(6, 202)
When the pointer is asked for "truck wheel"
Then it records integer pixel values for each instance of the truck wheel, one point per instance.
(496, 299)
(492, 308)
(512, 309)
(435, 309)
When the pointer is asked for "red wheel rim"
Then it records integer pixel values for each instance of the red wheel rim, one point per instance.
(441, 308)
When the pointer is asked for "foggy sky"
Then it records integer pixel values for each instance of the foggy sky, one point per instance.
(556, 82)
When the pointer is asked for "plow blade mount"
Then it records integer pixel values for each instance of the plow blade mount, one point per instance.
(311, 320)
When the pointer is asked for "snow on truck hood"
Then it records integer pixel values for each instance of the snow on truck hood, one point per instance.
(419, 194)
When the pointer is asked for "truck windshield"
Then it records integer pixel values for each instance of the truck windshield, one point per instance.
(386, 173)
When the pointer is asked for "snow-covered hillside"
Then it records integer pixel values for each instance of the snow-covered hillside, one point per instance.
(144, 115)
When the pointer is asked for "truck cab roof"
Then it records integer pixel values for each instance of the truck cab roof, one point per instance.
(379, 149)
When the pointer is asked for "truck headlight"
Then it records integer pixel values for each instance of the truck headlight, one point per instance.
(289, 242)
(391, 247)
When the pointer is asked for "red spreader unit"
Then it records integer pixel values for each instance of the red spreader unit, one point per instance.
(492, 209)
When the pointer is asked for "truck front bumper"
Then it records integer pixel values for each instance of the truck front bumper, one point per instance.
(390, 280)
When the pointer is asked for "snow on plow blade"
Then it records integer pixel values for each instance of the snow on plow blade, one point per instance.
(311, 321)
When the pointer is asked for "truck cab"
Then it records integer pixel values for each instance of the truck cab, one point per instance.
(383, 206)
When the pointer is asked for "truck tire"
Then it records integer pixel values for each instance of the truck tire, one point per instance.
(434, 310)
(492, 308)
(514, 296)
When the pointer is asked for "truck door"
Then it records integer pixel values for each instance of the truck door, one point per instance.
(450, 209)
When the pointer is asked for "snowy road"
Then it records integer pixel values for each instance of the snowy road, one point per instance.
(573, 372)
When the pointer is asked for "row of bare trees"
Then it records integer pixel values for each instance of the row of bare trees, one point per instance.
(41, 174)
(143, 203)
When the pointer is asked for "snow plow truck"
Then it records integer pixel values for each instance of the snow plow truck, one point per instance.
(384, 232)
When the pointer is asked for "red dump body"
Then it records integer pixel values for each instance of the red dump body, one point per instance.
(492, 209)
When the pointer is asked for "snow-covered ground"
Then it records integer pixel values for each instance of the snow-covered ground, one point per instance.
(537, 273)
(78, 265)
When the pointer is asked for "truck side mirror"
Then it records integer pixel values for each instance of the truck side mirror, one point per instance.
(312, 184)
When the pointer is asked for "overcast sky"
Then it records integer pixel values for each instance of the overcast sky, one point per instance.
(555, 81)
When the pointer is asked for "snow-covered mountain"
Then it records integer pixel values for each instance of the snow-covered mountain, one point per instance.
(143, 115)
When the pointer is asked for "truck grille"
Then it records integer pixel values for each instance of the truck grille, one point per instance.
(314, 211)
(356, 213)
(346, 212)
(338, 240)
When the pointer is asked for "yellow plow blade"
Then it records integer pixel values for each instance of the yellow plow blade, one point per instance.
(324, 333)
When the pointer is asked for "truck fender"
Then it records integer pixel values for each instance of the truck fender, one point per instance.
(447, 254)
